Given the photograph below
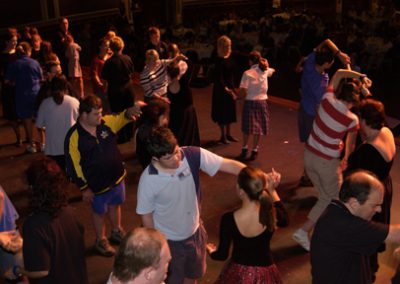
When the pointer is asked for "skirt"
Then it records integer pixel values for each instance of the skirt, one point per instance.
(255, 117)
(244, 274)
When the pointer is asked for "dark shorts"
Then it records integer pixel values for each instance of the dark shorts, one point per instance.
(188, 257)
(305, 123)
(115, 196)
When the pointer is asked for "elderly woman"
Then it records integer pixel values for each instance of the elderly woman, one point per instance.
(154, 79)
(226, 77)
(53, 248)
(376, 155)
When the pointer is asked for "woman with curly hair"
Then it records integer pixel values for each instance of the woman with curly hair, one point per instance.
(53, 248)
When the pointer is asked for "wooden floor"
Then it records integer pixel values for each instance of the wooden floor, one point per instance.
(280, 150)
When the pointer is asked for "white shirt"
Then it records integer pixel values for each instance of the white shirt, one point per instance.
(255, 81)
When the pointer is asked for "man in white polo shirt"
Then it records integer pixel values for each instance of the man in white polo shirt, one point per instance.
(169, 198)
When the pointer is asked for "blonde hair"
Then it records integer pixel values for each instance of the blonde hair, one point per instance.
(116, 44)
(152, 54)
(224, 44)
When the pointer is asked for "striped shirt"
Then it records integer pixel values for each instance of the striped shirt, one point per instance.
(155, 81)
(332, 122)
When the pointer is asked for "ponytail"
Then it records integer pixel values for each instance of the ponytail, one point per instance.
(267, 214)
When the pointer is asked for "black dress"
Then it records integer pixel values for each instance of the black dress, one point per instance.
(183, 117)
(227, 73)
(367, 157)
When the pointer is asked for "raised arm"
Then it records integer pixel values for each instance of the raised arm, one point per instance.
(343, 73)
(344, 58)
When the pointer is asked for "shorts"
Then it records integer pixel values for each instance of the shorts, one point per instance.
(188, 257)
(115, 196)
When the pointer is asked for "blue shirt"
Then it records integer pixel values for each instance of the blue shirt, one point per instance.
(313, 85)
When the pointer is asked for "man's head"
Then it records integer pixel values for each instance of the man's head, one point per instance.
(53, 69)
(143, 256)
(64, 24)
(163, 148)
(117, 44)
(154, 35)
(324, 58)
(362, 193)
(90, 111)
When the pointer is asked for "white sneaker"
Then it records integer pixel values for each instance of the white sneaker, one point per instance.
(31, 149)
(301, 237)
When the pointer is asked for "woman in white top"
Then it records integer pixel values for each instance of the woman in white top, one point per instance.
(255, 116)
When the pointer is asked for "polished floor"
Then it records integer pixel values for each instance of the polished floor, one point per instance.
(280, 150)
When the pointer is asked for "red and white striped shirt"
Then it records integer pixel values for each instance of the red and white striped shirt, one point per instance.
(332, 122)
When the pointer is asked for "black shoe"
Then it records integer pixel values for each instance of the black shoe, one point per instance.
(231, 138)
(305, 181)
(242, 155)
(253, 155)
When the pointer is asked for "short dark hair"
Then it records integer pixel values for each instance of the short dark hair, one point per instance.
(255, 56)
(359, 186)
(161, 142)
(89, 103)
(348, 90)
(324, 55)
(140, 248)
(59, 86)
(373, 112)
(48, 185)
(154, 30)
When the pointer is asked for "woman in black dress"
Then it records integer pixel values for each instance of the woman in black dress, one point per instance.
(376, 155)
(226, 71)
(183, 117)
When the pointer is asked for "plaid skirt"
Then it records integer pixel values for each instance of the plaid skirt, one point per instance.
(255, 117)
(244, 274)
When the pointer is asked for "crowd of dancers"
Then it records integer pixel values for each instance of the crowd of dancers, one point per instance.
(79, 134)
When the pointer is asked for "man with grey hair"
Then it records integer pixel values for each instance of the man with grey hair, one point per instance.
(345, 236)
(142, 257)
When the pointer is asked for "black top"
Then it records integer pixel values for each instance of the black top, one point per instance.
(341, 245)
(367, 157)
(254, 251)
(117, 72)
(56, 245)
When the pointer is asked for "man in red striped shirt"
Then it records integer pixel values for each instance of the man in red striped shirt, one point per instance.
(324, 145)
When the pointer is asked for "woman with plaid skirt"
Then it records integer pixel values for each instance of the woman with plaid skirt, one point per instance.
(255, 116)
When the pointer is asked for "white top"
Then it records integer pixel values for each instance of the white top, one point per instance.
(255, 81)
(57, 120)
(172, 198)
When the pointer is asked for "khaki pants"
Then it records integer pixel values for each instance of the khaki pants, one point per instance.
(326, 179)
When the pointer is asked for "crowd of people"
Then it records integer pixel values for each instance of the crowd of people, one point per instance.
(79, 134)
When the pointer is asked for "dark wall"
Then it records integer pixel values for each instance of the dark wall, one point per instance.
(19, 11)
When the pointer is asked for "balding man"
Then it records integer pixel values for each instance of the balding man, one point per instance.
(345, 236)
(142, 258)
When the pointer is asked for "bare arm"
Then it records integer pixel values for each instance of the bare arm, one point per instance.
(343, 73)
(231, 166)
(350, 145)
(32, 274)
(394, 234)
(344, 58)
(147, 220)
